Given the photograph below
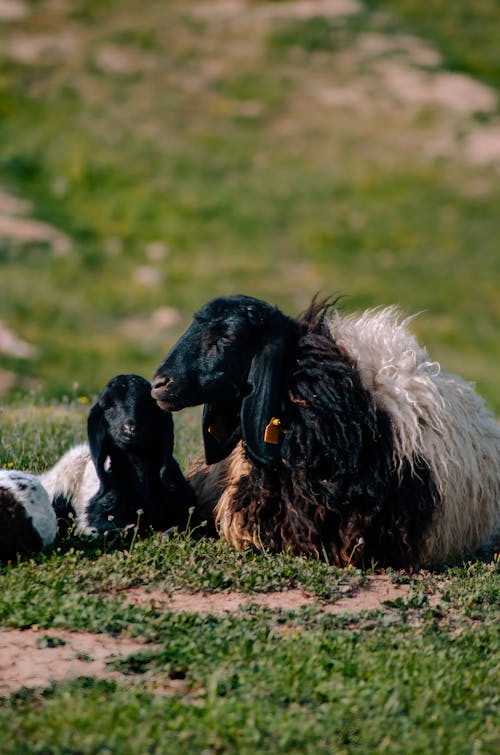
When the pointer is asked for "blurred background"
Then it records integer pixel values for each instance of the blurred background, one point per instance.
(156, 154)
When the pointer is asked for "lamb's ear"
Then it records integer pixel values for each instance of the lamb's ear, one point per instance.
(261, 408)
(98, 438)
(220, 421)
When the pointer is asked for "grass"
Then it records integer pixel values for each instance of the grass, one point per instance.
(409, 677)
(266, 680)
(187, 155)
(224, 155)
(351, 692)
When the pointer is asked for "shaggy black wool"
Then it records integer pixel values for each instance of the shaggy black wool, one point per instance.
(337, 492)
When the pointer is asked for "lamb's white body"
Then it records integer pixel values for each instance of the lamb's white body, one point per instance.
(26, 490)
(436, 415)
(74, 479)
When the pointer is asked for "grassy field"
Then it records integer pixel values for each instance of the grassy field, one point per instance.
(154, 155)
(185, 153)
(417, 674)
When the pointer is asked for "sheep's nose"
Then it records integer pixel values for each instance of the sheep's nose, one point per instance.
(160, 384)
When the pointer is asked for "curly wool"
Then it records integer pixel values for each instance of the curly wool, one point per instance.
(436, 415)
(384, 458)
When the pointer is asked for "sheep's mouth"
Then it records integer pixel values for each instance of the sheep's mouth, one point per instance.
(165, 406)
(167, 403)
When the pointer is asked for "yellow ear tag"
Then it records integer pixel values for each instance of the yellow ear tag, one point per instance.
(272, 432)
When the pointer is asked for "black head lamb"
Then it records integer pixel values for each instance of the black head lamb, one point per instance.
(333, 435)
(131, 442)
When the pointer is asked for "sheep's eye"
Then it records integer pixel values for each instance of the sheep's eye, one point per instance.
(218, 337)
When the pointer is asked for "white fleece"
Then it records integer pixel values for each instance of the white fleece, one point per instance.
(436, 415)
(74, 478)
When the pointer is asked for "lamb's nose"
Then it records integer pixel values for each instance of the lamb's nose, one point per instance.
(129, 427)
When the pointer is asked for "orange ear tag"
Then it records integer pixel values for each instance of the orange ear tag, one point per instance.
(215, 432)
(272, 431)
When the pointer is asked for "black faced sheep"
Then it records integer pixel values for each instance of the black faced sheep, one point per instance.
(127, 476)
(27, 520)
(333, 435)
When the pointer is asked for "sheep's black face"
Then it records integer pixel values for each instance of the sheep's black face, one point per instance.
(129, 410)
(211, 361)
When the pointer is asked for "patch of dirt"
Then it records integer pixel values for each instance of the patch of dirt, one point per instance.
(121, 61)
(455, 91)
(373, 44)
(304, 9)
(8, 380)
(42, 49)
(34, 658)
(301, 9)
(13, 10)
(153, 327)
(13, 346)
(16, 228)
(372, 596)
(482, 144)
(11, 205)
(24, 230)
(30, 659)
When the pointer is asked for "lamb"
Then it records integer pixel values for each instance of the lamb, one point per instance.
(127, 475)
(70, 484)
(333, 436)
(27, 520)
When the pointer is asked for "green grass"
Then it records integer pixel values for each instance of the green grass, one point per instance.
(353, 691)
(409, 677)
(248, 183)
(214, 139)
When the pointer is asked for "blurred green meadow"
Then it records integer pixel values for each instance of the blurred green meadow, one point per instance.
(176, 151)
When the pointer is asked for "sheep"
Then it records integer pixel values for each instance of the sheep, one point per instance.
(126, 476)
(333, 435)
(27, 520)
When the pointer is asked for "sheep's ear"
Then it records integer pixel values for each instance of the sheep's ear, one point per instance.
(261, 408)
(220, 421)
(98, 438)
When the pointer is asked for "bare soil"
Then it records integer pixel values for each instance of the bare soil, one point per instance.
(35, 658)
(378, 590)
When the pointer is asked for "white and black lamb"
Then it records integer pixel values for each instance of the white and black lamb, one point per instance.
(126, 476)
(71, 483)
(333, 435)
(27, 520)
